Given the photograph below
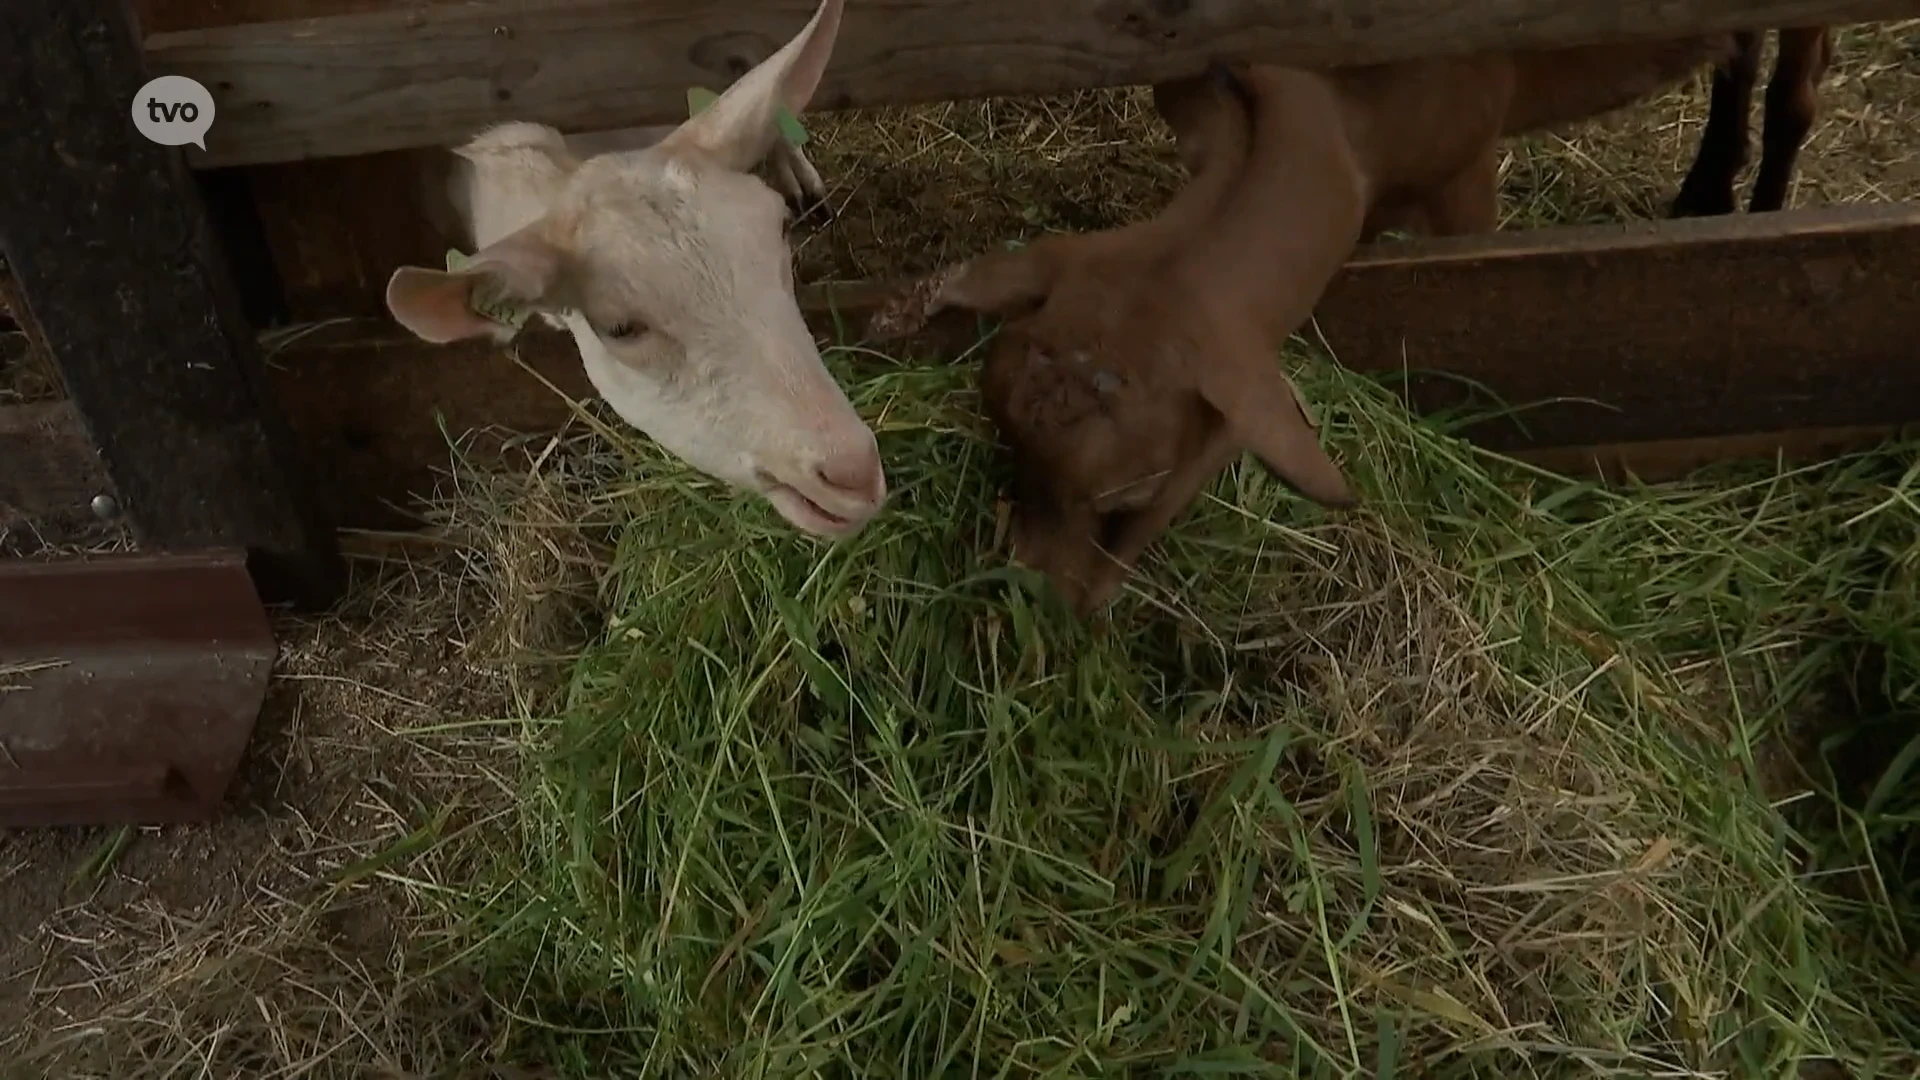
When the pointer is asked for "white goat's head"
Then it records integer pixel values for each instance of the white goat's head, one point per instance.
(670, 267)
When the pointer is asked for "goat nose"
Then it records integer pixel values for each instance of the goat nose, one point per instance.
(854, 470)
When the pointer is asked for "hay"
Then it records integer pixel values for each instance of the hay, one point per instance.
(1484, 780)
(1466, 783)
(1502, 776)
(27, 375)
(279, 940)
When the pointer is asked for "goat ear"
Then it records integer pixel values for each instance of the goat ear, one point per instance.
(997, 283)
(1001, 282)
(519, 270)
(739, 127)
(1266, 414)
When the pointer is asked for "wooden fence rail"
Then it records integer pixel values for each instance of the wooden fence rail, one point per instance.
(1689, 342)
(359, 76)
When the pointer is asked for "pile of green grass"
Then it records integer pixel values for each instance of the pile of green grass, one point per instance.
(1472, 782)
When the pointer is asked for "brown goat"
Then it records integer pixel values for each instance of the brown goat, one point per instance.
(1793, 100)
(1138, 362)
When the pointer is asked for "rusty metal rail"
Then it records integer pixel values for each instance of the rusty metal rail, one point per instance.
(129, 686)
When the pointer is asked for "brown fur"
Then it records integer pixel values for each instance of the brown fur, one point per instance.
(1793, 100)
(1140, 361)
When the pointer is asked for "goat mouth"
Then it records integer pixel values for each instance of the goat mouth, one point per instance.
(807, 515)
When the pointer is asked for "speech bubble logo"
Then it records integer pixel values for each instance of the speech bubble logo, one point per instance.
(173, 110)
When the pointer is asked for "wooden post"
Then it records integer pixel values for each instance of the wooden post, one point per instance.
(111, 249)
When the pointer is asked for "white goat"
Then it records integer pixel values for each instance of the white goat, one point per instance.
(669, 265)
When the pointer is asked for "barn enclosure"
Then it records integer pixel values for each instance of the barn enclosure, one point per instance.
(563, 761)
(1694, 339)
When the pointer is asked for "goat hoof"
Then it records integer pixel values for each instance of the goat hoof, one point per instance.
(1692, 204)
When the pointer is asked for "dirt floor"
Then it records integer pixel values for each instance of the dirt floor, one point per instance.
(97, 916)
(356, 739)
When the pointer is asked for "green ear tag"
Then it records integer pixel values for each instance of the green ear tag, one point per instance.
(493, 308)
(790, 126)
(699, 98)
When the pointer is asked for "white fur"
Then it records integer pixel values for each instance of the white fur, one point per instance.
(673, 234)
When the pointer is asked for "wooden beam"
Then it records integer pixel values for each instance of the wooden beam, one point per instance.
(338, 227)
(1700, 341)
(370, 405)
(114, 257)
(430, 74)
(165, 16)
(1643, 331)
(1670, 459)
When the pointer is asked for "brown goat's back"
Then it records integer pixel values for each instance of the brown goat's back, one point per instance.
(1553, 87)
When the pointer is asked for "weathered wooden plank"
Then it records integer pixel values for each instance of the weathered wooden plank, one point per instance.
(141, 678)
(114, 256)
(369, 404)
(166, 16)
(1670, 459)
(429, 74)
(1734, 336)
(1700, 341)
(338, 227)
(1649, 330)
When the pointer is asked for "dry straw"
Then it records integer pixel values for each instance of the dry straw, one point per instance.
(1462, 785)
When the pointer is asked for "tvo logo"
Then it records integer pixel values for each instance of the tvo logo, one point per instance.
(173, 110)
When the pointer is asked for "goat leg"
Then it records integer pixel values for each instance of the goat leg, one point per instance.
(1470, 202)
(1792, 103)
(799, 182)
(1707, 190)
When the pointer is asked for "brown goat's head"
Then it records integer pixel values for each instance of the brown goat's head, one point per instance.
(1090, 440)
(1117, 414)
(1119, 387)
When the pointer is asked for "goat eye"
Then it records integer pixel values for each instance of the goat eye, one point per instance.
(1113, 525)
(623, 331)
